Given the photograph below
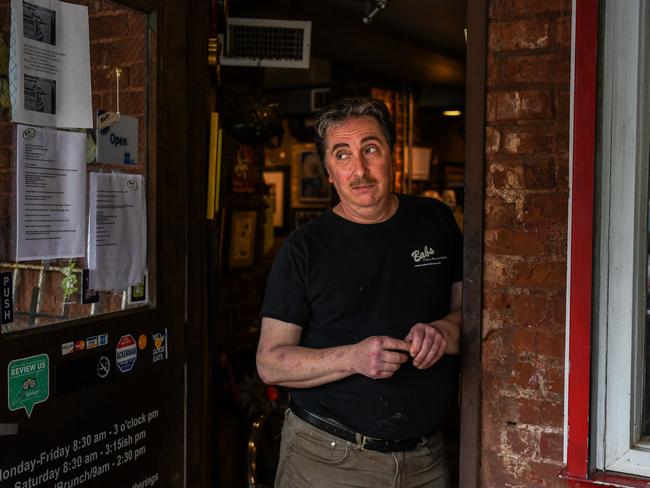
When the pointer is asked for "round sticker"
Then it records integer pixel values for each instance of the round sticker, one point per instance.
(103, 367)
(126, 353)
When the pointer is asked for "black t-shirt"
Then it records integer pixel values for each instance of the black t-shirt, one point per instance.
(343, 282)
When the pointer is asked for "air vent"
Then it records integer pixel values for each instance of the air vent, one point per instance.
(267, 43)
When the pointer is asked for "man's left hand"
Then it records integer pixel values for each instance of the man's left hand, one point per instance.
(429, 341)
(428, 344)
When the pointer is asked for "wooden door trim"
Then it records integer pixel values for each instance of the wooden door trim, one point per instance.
(199, 427)
(470, 424)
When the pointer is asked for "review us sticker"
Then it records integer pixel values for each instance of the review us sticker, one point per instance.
(28, 381)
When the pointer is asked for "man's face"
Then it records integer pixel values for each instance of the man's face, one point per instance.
(359, 162)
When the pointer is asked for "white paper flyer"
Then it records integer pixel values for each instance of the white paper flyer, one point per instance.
(49, 64)
(51, 193)
(116, 231)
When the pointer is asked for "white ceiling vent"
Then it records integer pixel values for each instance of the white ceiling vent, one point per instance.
(267, 43)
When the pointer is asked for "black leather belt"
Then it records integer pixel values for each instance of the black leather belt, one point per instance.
(365, 442)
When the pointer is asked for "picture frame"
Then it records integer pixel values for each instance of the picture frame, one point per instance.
(277, 179)
(243, 232)
(303, 215)
(453, 174)
(312, 183)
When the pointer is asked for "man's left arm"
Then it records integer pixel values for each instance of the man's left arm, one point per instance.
(429, 342)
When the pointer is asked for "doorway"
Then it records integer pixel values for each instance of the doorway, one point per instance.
(412, 55)
(94, 346)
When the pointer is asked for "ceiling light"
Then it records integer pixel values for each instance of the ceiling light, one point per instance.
(452, 113)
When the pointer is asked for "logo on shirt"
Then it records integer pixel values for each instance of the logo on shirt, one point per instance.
(426, 257)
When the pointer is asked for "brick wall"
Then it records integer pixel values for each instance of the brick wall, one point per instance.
(527, 139)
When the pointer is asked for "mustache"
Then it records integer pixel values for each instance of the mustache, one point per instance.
(362, 181)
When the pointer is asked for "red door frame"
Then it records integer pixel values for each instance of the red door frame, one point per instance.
(582, 235)
(585, 111)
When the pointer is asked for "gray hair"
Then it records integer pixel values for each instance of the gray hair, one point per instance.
(345, 108)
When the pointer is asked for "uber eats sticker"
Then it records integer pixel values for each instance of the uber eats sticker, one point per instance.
(28, 382)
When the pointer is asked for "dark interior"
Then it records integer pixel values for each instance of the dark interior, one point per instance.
(411, 53)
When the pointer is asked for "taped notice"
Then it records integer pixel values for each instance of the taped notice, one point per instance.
(49, 64)
(117, 231)
(51, 193)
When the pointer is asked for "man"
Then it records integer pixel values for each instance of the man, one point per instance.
(360, 317)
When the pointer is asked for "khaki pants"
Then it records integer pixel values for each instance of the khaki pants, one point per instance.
(310, 457)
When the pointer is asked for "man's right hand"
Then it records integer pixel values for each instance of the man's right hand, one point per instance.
(379, 356)
(281, 360)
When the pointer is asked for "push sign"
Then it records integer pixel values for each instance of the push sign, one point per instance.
(118, 142)
(7, 309)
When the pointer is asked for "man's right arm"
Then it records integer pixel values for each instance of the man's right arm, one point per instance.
(281, 360)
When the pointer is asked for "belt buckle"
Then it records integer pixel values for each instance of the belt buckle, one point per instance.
(364, 440)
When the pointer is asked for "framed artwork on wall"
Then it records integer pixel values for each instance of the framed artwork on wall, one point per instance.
(243, 228)
(453, 174)
(312, 183)
(277, 179)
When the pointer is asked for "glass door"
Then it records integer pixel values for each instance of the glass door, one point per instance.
(92, 362)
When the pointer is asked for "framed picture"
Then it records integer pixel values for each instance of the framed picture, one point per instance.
(243, 227)
(313, 185)
(303, 215)
(278, 181)
(454, 174)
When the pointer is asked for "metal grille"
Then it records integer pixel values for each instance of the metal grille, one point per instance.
(258, 42)
(268, 43)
